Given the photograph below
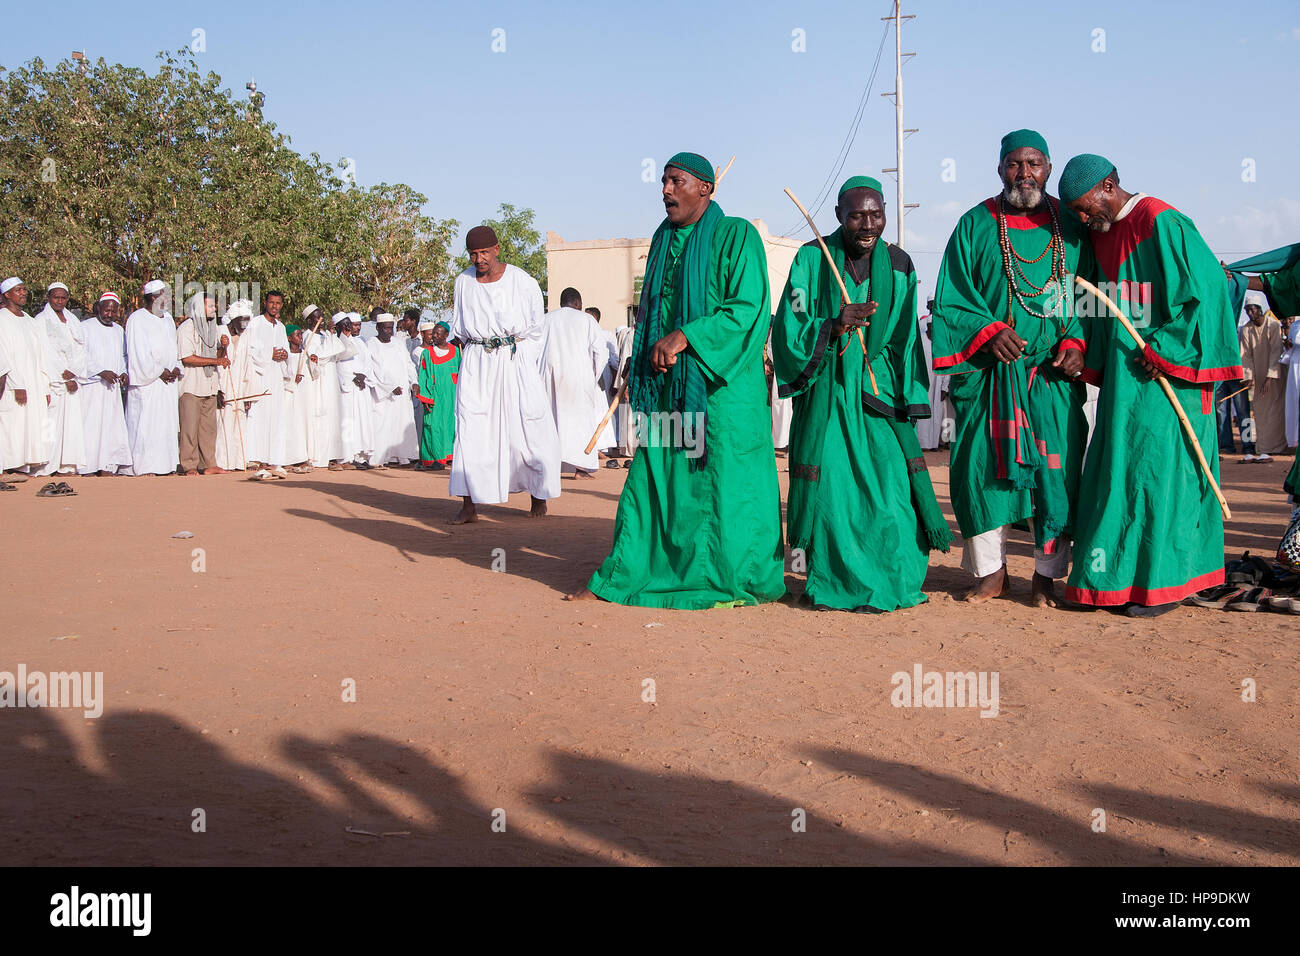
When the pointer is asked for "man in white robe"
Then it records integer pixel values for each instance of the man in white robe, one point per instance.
(323, 350)
(24, 385)
(108, 448)
(574, 357)
(506, 440)
(607, 443)
(299, 406)
(236, 382)
(152, 402)
(67, 355)
(356, 410)
(624, 432)
(1291, 372)
(391, 380)
(268, 352)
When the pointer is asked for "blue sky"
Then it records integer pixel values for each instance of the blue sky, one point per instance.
(563, 120)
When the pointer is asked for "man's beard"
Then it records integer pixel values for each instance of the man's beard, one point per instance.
(1098, 225)
(1025, 197)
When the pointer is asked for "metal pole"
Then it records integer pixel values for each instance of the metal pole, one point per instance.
(900, 210)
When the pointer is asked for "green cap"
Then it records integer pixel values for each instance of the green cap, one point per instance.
(859, 182)
(1081, 174)
(290, 328)
(693, 163)
(1020, 138)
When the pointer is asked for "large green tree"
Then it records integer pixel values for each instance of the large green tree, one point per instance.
(111, 175)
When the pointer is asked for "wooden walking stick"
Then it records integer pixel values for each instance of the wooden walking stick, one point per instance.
(844, 292)
(1234, 394)
(1169, 393)
(618, 395)
(303, 357)
(720, 171)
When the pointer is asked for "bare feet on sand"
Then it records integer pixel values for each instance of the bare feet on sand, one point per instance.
(584, 595)
(467, 514)
(987, 588)
(538, 510)
(1042, 593)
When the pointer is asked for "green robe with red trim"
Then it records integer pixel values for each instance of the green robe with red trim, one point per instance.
(970, 308)
(1149, 529)
(436, 391)
(702, 537)
(1283, 291)
(850, 506)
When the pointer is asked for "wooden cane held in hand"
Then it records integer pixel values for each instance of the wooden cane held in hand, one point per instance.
(844, 292)
(1169, 394)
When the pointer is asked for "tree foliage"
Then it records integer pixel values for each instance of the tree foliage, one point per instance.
(114, 175)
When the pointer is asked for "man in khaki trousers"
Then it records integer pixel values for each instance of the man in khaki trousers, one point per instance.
(201, 344)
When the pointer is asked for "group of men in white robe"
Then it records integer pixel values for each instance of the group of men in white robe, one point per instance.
(211, 394)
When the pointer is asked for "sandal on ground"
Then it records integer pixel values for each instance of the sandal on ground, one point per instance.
(1216, 597)
(5, 486)
(260, 475)
(613, 463)
(55, 489)
(1249, 600)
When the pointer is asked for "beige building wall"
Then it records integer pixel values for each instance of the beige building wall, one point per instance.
(605, 270)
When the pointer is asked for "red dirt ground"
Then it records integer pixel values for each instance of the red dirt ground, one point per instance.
(479, 690)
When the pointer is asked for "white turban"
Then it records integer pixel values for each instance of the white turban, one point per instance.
(239, 309)
(153, 286)
(56, 285)
(9, 284)
(1256, 298)
(308, 311)
(384, 317)
(111, 296)
(426, 324)
(337, 317)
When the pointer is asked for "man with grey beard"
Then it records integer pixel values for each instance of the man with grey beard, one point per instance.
(1004, 329)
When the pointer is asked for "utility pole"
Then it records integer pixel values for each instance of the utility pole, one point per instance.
(897, 94)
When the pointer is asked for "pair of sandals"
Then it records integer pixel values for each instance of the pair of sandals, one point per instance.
(613, 463)
(55, 489)
(1251, 584)
(264, 475)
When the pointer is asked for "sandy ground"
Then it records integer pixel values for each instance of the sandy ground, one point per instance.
(480, 694)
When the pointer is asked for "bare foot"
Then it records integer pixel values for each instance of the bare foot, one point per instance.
(1042, 593)
(583, 474)
(538, 510)
(215, 471)
(987, 588)
(191, 471)
(468, 513)
(584, 595)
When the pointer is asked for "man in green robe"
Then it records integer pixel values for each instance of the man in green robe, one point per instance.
(853, 446)
(1005, 331)
(699, 519)
(1150, 531)
(438, 367)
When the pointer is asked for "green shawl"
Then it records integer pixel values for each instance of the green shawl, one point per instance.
(687, 392)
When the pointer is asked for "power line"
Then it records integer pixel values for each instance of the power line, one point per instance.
(850, 137)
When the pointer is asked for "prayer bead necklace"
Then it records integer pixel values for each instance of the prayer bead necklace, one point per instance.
(1011, 266)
